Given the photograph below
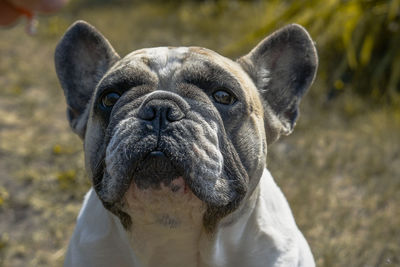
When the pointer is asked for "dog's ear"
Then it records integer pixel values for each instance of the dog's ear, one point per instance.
(81, 58)
(283, 67)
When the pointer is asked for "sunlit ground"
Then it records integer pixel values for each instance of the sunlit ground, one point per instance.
(340, 169)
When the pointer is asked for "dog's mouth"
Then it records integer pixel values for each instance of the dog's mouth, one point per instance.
(157, 170)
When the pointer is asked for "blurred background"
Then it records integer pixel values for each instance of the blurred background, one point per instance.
(340, 169)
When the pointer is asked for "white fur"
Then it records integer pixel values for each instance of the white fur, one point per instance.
(174, 220)
(164, 60)
(265, 235)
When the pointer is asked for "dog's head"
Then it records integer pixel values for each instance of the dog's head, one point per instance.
(185, 118)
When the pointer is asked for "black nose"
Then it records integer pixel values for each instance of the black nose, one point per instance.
(164, 107)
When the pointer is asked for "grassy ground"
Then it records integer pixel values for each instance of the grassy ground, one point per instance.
(340, 170)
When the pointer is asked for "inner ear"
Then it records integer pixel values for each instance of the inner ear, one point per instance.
(82, 57)
(283, 67)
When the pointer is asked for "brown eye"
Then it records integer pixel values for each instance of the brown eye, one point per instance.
(108, 100)
(224, 97)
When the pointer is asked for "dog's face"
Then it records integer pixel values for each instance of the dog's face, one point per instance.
(181, 121)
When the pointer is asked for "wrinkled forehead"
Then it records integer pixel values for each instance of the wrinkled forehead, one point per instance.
(162, 61)
(165, 62)
(159, 59)
(166, 65)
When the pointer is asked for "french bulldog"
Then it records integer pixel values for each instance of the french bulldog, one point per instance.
(175, 142)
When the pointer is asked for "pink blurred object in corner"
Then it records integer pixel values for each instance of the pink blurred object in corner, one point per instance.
(11, 10)
(40, 6)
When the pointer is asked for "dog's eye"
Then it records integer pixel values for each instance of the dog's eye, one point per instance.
(108, 100)
(224, 97)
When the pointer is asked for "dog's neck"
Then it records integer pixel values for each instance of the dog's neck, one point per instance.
(157, 246)
(167, 230)
(166, 224)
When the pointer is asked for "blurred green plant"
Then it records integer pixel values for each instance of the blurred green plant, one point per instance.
(358, 41)
(67, 179)
(3, 195)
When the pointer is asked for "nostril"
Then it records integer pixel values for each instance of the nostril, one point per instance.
(147, 113)
(174, 114)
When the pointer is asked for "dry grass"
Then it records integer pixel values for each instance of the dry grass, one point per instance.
(340, 169)
(341, 174)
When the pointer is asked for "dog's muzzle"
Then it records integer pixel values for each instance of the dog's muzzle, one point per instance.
(164, 140)
(157, 111)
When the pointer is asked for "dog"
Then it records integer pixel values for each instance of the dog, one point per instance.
(175, 142)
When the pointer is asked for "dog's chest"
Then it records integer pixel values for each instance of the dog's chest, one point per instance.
(166, 224)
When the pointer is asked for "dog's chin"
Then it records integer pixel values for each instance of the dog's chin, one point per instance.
(157, 170)
(159, 195)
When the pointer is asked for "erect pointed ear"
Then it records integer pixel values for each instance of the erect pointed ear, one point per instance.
(283, 67)
(82, 57)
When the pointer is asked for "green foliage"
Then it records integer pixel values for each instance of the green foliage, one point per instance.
(3, 196)
(358, 40)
